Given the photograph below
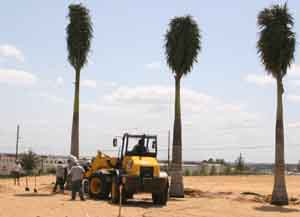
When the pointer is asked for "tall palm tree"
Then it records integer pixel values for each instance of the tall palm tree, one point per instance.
(182, 44)
(79, 35)
(276, 47)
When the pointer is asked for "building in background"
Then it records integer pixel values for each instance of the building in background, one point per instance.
(7, 163)
(48, 163)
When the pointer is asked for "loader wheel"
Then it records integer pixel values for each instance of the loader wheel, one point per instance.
(98, 186)
(161, 198)
(115, 193)
(85, 186)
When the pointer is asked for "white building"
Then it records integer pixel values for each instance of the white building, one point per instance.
(7, 163)
(49, 162)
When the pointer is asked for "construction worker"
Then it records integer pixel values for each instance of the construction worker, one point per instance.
(65, 174)
(70, 163)
(60, 177)
(76, 175)
(17, 172)
(139, 148)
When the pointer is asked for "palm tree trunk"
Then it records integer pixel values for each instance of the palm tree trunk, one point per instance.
(176, 188)
(75, 123)
(279, 195)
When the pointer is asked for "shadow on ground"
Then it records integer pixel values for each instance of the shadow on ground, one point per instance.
(34, 195)
(140, 202)
(144, 203)
(270, 208)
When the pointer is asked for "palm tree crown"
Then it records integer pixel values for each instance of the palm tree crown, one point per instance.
(276, 44)
(80, 33)
(182, 44)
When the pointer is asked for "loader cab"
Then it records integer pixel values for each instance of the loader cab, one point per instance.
(138, 145)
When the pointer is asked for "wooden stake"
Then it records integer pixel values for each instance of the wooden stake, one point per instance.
(35, 190)
(27, 188)
(120, 202)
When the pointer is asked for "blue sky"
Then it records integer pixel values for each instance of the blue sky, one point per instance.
(228, 102)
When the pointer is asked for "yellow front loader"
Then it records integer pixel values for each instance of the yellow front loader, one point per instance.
(136, 171)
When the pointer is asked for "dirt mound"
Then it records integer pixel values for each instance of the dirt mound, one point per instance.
(190, 192)
(196, 193)
(249, 198)
(260, 198)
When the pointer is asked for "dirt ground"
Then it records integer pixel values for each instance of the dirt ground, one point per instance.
(219, 196)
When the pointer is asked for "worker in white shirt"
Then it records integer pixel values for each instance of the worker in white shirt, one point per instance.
(17, 172)
(76, 174)
(60, 177)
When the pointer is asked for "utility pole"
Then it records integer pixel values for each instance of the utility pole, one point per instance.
(17, 142)
(169, 141)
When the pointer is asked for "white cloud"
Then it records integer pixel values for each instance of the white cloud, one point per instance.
(294, 125)
(139, 95)
(229, 107)
(294, 98)
(260, 80)
(89, 83)
(155, 94)
(295, 83)
(109, 84)
(294, 71)
(154, 65)
(91, 107)
(158, 100)
(17, 77)
(266, 80)
(59, 81)
(52, 98)
(7, 50)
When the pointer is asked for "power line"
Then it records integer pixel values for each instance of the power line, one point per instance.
(220, 148)
(17, 141)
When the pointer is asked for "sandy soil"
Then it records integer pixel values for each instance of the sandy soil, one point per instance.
(205, 197)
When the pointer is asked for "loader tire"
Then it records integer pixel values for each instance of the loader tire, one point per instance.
(161, 198)
(85, 186)
(98, 186)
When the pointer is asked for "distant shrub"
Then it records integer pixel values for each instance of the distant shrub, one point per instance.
(187, 172)
(203, 171)
(213, 171)
(240, 165)
(195, 173)
(227, 170)
(29, 161)
(51, 170)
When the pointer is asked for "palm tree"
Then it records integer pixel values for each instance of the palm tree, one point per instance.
(276, 47)
(79, 35)
(182, 44)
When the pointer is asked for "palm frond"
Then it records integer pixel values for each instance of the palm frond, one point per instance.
(276, 44)
(182, 44)
(79, 35)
